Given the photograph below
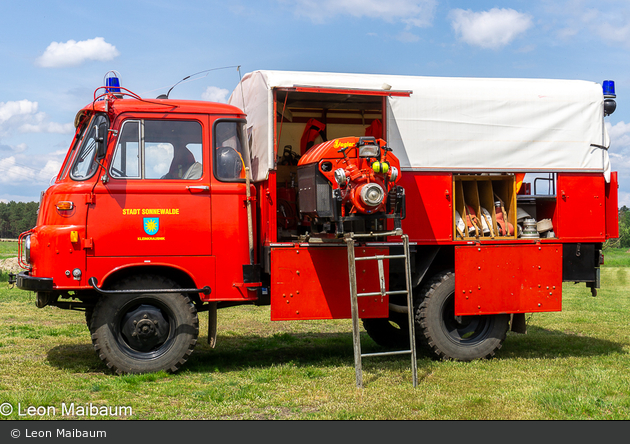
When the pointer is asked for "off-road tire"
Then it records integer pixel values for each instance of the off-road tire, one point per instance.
(475, 337)
(172, 316)
(88, 317)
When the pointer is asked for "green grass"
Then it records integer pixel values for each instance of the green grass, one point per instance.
(617, 257)
(8, 249)
(570, 365)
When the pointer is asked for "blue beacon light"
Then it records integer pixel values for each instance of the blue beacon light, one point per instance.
(609, 89)
(112, 82)
(609, 95)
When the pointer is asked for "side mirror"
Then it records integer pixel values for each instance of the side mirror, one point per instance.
(101, 140)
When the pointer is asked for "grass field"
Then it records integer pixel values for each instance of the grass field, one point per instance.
(7, 250)
(571, 365)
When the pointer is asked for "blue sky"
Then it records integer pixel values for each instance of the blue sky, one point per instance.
(55, 54)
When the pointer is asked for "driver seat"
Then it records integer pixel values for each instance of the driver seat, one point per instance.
(194, 172)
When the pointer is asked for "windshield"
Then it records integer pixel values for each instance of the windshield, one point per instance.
(85, 164)
(75, 144)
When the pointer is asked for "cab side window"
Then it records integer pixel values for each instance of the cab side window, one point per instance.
(126, 161)
(152, 149)
(229, 153)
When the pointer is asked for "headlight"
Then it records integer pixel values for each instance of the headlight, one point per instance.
(369, 151)
(27, 249)
(372, 194)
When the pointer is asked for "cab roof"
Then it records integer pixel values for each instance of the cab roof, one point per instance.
(120, 106)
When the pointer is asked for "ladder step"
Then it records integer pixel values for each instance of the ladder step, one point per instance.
(371, 258)
(354, 304)
(379, 293)
(400, 352)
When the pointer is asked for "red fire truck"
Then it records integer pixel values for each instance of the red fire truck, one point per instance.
(496, 191)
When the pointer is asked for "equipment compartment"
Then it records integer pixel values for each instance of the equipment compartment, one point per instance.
(491, 197)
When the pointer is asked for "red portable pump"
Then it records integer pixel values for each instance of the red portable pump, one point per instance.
(351, 179)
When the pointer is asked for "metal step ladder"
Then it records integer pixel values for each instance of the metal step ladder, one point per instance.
(354, 299)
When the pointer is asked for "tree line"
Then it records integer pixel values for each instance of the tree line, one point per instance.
(17, 217)
(624, 228)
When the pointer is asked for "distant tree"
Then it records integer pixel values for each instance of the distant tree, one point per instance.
(624, 227)
(17, 217)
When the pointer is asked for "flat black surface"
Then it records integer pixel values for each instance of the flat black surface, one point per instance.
(30, 283)
(579, 262)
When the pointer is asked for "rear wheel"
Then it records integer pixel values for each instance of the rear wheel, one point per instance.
(462, 338)
(88, 317)
(144, 333)
(389, 332)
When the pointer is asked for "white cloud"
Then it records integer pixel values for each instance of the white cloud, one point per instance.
(47, 127)
(24, 116)
(19, 148)
(19, 108)
(14, 169)
(215, 94)
(619, 135)
(11, 172)
(407, 37)
(623, 199)
(412, 12)
(491, 29)
(620, 157)
(15, 114)
(51, 169)
(72, 53)
(609, 20)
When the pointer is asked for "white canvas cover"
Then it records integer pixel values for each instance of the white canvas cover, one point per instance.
(457, 124)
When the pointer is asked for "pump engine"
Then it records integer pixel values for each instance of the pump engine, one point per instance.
(349, 184)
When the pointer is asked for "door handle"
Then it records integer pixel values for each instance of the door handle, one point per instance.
(198, 187)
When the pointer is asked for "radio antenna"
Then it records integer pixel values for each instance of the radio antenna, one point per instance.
(165, 96)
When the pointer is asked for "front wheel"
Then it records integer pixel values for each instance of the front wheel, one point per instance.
(144, 333)
(463, 338)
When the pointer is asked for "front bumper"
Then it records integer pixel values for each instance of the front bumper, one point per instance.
(24, 281)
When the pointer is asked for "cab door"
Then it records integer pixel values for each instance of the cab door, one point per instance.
(153, 207)
(229, 209)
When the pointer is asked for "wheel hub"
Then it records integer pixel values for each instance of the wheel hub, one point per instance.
(145, 328)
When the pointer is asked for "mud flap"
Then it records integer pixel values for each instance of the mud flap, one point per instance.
(212, 324)
(518, 323)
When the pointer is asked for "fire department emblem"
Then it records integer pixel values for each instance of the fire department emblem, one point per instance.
(151, 225)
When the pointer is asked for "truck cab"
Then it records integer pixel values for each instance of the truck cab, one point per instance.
(152, 195)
